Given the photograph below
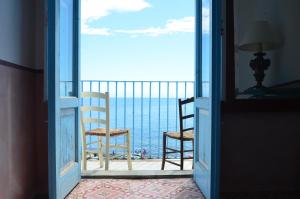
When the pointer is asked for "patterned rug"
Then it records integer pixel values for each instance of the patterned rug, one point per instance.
(179, 188)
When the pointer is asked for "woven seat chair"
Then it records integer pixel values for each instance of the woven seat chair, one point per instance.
(105, 132)
(185, 134)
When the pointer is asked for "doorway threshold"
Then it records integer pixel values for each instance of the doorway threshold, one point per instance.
(138, 174)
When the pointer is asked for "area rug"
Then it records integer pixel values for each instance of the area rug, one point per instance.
(177, 188)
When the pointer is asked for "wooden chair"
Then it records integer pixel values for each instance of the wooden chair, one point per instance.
(185, 134)
(101, 132)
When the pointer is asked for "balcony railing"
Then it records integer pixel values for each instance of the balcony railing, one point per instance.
(147, 108)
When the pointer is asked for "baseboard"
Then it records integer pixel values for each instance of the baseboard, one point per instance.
(260, 195)
(138, 174)
(42, 196)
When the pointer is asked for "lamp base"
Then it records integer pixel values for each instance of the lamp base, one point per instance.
(259, 65)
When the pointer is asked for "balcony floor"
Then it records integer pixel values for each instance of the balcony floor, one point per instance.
(137, 165)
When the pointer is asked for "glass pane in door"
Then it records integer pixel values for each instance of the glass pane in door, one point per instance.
(206, 46)
(66, 48)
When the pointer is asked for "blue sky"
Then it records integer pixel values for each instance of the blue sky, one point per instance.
(137, 40)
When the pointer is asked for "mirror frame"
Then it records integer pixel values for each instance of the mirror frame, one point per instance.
(231, 103)
(230, 56)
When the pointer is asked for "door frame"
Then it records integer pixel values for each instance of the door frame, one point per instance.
(216, 43)
(216, 95)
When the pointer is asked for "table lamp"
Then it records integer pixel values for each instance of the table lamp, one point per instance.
(260, 37)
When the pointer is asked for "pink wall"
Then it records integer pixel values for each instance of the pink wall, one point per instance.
(23, 135)
(17, 134)
(41, 136)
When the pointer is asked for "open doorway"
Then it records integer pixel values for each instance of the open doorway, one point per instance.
(142, 53)
(65, 94)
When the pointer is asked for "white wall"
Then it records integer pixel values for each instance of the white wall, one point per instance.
(283, 16)
(17, 32)
(289, 54)
(40, 27)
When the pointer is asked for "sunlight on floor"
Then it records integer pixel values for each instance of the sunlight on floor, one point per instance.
(149, 164)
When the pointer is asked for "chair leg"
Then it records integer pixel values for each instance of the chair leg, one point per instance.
(164, 151)
(84, 155)
(193, 154)
(107, 155)
(100, 151)
(181, 155)
(129, 152)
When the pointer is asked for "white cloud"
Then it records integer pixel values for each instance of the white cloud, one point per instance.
(95, 9)
(85, 29)
(186, 24)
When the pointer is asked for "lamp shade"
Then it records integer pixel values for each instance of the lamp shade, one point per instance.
(259, 37)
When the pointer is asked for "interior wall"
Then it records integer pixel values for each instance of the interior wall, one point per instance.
(17, 134)
(41, 125)
(23, 134)
(17, 36)
(41, 138)
(287, 56)
(283, 16)
(260, 152)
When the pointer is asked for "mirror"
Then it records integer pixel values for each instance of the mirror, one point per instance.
(266, 49)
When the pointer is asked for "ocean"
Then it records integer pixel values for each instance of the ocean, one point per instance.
(147, 119)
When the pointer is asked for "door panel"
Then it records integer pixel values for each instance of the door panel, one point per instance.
(67, 135)
(207, 100)
(63, 107)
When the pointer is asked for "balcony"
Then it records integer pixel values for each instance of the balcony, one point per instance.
(147, 108)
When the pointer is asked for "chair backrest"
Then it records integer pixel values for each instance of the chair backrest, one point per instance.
(95, 120)
(182, 117)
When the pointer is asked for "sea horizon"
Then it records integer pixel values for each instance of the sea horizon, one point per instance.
(146, 118)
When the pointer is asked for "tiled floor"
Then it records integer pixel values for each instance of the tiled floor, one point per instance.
(175, 188)
(150, 164)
